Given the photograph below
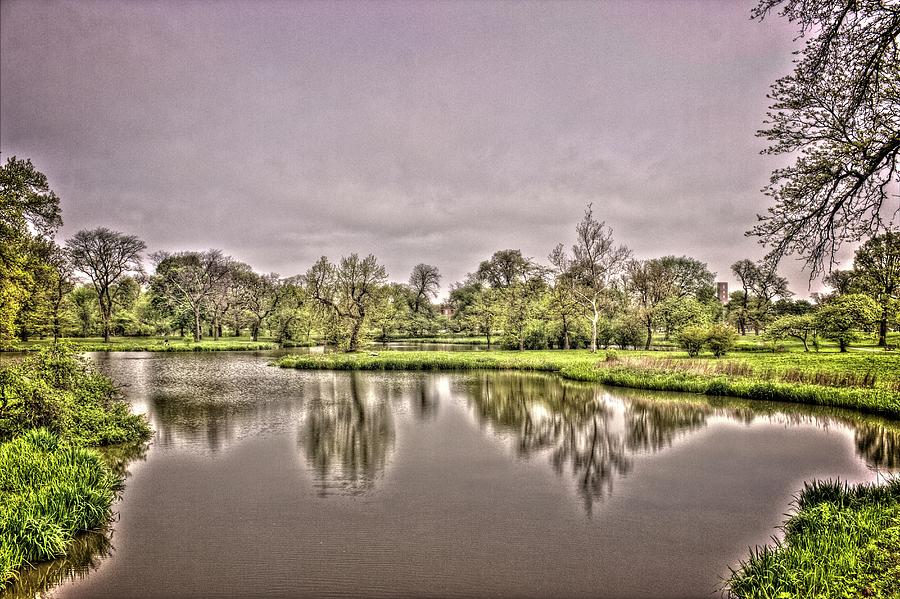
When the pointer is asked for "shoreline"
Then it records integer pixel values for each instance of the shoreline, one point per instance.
(730, 376)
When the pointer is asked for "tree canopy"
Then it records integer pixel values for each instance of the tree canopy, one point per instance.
(838, 113)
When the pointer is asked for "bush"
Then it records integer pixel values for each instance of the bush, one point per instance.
(692, 339)
(54, 389)
(720, 339)
(628, 332)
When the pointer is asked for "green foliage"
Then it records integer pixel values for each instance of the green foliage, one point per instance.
(692, 339)
(627, 331)
(56, 390)
(720, 339)
(800, 327)
(843, 541)
(842, 318)
(49, 492)
(29, 215)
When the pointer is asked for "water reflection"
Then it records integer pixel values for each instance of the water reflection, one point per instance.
(346, 434)
(84, 555)
(593, 434)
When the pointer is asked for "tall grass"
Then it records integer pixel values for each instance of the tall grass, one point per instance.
(52, 405)
(842, 541)
(49, 492)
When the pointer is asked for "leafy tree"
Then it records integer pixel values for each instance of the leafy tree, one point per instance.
(185, 281)
(105, 257)
(691, 339)
(839, 114)
(877, 267)
(720, 339)
(260, 296)
(760, 284)
(29, 216)
(842, 318)
(347, 291)
(392, 309)
(588, 271)
(424, 282)
(627, 331)
(651, 282)
(842, 281)
(84, 302)
(519, 283)
(800, 327)
(676, 313)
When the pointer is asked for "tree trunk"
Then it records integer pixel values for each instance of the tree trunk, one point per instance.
(565, 334)
(354, 336)
(594, 320)
(649, 334)
(883, 327)
(196, 326)
(254, 332)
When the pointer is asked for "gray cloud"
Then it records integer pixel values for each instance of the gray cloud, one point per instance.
(435, 132)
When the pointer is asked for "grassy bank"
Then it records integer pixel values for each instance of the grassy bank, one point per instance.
(50, 491)
(52, 487)
(151, 344)
(865, 381)
(842, 541)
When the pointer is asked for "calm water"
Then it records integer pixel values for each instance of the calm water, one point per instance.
(293, 483)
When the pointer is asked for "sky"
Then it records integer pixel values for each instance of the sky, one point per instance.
(434, 132)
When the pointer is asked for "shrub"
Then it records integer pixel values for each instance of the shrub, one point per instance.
(720, 339)
(54, 389)
(692, 339)
(628, 332)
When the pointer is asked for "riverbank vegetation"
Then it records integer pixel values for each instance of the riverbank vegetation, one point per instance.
(842, 541)
(53, 409)
(865, 381)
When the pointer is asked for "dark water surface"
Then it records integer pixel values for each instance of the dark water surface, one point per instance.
(263, 481)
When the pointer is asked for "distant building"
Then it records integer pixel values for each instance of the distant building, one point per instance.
(722, 292)
(447, 310)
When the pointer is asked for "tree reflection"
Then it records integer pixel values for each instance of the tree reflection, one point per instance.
(878, 445)
(591, 438)
(346, 435)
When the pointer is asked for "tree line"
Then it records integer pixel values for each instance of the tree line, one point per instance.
(591, 294)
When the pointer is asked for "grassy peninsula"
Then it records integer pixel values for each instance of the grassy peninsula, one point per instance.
(53, 485)
(865, 381)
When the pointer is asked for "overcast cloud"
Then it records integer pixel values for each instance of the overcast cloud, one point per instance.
(422, 132)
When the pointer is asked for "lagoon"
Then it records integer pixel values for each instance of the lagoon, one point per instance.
(286, 482)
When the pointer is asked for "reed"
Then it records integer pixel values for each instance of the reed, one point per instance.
(50, 491)
(842, 541)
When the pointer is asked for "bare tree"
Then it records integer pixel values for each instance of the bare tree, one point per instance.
(589, 269)
(105, 256)
(424, 282)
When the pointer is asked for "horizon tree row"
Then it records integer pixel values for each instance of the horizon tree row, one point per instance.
(591, 295)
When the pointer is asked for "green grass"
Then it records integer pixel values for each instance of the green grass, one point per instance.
(50, 491)
(842, 541)
(53, 405)
(151, 344)
(865, 381)
(450, 339)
